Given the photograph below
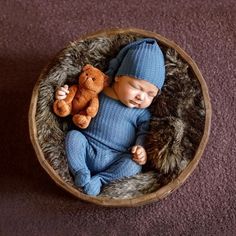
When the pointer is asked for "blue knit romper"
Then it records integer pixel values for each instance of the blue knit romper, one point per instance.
(102, 152)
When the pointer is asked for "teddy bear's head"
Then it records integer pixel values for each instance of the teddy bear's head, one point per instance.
(93, 79)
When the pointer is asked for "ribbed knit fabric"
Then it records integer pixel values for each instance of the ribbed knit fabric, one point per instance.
(101, 153)
(117, 126)
(142, 59)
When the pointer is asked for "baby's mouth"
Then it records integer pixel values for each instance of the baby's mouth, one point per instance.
(134, 103)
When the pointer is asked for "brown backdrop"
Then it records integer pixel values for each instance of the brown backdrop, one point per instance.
(31, 33)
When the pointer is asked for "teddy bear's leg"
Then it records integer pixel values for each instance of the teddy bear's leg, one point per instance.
(92, 109)
(61, 108)
(82, 121)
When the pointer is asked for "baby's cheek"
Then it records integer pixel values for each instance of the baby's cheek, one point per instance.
(150, 99)
(145, 104)
(129, 94)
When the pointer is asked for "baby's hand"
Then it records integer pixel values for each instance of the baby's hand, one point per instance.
(62, 92)
(139, 154)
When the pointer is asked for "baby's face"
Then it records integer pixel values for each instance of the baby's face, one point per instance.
(134, 93)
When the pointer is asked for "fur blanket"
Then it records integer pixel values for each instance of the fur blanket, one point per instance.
(176, 127)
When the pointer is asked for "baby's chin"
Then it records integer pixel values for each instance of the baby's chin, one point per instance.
(128, 104)
(132, 104)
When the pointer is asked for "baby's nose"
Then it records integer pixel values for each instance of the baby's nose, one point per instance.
(140, 96)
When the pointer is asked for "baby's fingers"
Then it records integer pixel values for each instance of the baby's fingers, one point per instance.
(61, 93)
(134, 148)
(139, 150)
(141, 160)
(60, 97)
(65, 89)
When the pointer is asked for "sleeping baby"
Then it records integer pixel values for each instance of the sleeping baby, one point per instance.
(112, 147)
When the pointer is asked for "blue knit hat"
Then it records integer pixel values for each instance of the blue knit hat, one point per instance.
(142, 59)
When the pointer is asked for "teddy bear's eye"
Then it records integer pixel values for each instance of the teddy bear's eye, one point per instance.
(93, 79)
(86, 74)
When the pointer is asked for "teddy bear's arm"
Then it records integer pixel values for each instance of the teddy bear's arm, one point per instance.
(72, 91)
(92, 109)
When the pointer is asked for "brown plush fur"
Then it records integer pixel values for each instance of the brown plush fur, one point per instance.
(82, 101)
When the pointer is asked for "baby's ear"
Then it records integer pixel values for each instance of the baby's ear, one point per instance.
(87, 66)
(116, 79)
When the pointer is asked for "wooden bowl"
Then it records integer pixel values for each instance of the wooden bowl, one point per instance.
(163, 191)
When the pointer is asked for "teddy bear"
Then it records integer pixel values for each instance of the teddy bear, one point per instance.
(82, 101)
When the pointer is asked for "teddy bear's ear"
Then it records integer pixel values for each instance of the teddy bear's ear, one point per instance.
(87, 66)
(106, 81)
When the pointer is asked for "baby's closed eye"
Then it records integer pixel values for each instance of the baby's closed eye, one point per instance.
(152, 94)
(134, 86)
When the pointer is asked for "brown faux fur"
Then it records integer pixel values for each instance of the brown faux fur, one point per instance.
(177, 115)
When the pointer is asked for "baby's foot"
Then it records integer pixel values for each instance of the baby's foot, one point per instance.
(94, 186)
(82, 178)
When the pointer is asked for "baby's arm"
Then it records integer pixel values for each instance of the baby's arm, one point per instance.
(138, 151)
(139, 154)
